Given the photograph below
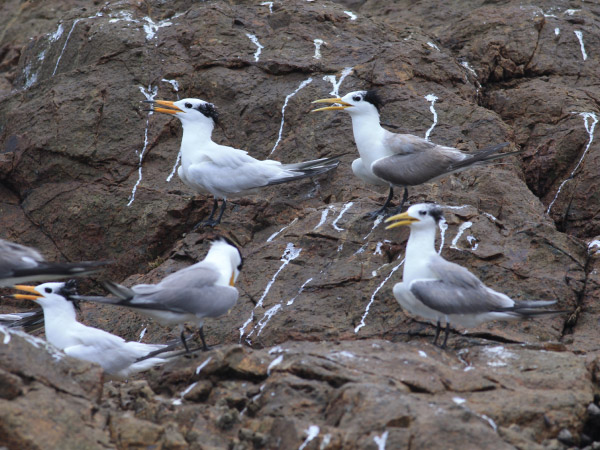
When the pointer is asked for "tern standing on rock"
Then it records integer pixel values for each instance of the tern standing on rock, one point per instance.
(225, 172)
(115, 355)
(205, 289)
(442, 291)
(390, 159)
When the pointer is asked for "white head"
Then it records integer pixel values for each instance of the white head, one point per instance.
(49, 294)
(421, 215)
(357, 103)
(189, 111)
(227, 252)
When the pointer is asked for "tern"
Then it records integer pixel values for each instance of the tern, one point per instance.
(116, 356)
(205, 289)
(223, 171)
(391, 159)
(21, 264)
(442, 291)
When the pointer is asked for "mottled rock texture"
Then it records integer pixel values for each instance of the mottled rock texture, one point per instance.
(316, 339)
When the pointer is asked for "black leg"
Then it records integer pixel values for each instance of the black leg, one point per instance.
(223, 206)
(404, 200)
(447, 333)
(438, 328)
(374, 214)
(182, 336)
(210, 219)
(201, 333)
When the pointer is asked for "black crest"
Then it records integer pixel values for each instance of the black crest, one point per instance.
(68, 290)
(209, 110)
(374, 99)
(437, 213)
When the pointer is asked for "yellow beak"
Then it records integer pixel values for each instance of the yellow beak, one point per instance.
(26, 288)
(400, 219)
(232, 280)
(174, 109)
(341, 104)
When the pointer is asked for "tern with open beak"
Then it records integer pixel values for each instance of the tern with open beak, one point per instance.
(442, 291)
(116, 356)
(223, 171)
(391, 159)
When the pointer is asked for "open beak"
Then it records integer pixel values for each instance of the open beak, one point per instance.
(400, 219)
(173, 109)
(340, 104)
(23, 287)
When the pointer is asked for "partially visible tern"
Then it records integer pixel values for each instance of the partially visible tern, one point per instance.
(116, 356)
(391, 159)
(223, 171)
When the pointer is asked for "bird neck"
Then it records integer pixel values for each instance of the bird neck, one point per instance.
(421, 243)
(195, 133)
(58, 317)
(223, 263)
(367, 131)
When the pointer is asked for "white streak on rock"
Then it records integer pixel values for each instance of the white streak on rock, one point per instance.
(291, 302)
(274, 235)
(274, 363)
(463, 227)
(325, 442)
(178, 401)
(203, 365)
(570, 12)
(351, 15)
(336, 84)
(422, 353)
(579, 35)
(381, 440)
(149, 94)
(267, 317)
(473, 242)
(57, 34)
(142, 334)
(443, 225)
(492, 218)
(490, 421)
(376, 223)
(498, 356)
(173, 83)
(344, 209)
(175, 166)
(362, 321)
(287, 99)
(467, 66)
(65, 45)
(269, 4)
(432, 45)
(289, 255)
(259, 47)
(431, 98)
(318, 43)
(557, 31)
(589, 127)
(458, 400)
(324, 214)
(312, 432)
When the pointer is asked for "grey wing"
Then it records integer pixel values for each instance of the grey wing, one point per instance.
(210, 301)
(197, 275)
(15, 256)
(415, 160)
(457, 291)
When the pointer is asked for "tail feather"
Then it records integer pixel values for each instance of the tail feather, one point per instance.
(306, 172)
(483, 156)
(531, 308)
(314, 163)
(118, 290)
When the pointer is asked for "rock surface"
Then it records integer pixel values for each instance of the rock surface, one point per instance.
(327, 357)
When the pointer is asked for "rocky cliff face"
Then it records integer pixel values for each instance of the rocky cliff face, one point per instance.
(317, 353)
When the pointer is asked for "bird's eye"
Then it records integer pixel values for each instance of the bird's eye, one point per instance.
(188, 105)
(423, 213)
(357, 98)
(48, 290)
